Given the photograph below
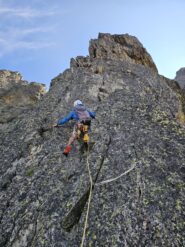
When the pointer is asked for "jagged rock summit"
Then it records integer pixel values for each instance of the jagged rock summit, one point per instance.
(9, 79)
(120, 47)
(17, 95)
(138, 133)
(180, 77)
(115, 48)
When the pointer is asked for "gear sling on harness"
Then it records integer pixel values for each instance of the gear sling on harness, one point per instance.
(84, 122)
(84, 127)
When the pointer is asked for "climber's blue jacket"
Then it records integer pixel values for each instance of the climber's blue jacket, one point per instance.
(73, 115)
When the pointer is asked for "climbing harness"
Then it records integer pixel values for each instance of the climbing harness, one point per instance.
(82, 133)
(85, 131)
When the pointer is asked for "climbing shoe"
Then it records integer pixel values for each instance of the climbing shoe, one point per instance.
(67, 150)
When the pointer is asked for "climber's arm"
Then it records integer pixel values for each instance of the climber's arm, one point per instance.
(65, 119)
(92, 114)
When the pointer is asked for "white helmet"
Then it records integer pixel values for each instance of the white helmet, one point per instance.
(77, 102)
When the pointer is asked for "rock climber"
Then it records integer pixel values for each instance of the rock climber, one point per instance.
(82, 116)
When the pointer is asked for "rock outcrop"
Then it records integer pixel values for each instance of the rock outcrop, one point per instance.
(120, 47)
(17, 95)
(136, 134)
(180, 77)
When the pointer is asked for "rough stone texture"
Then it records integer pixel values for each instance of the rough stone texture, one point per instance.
(10, 78)
(180, 77)
(44, 195)
(120, 47)
(17, 95)
(181, 95)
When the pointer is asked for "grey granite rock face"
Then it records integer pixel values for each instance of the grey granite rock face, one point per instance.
(17, 95)
(120, 47)
(44, 194)
(180, 77)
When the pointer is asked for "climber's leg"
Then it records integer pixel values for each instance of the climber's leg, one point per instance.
(72, 139)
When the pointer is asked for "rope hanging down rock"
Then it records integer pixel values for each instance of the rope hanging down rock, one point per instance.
(90, 192)
(89, 200)
(114, 179)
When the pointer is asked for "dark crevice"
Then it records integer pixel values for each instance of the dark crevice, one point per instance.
(42, 130)
(102, 159)
(7, 180)
(99, 98)
(103, 90)
(94, 53)
(74, 215)
(70, 176)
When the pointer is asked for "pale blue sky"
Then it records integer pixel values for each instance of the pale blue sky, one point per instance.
(38, 37)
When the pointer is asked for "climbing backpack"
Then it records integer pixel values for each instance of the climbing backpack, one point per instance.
(83, 115)
(85, 120)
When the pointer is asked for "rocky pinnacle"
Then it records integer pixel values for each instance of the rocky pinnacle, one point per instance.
(137, 144)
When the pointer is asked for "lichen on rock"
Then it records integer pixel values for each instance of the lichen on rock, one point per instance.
(44, 195)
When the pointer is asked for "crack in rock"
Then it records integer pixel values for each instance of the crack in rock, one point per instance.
(73, 217)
